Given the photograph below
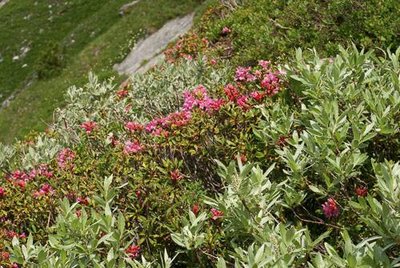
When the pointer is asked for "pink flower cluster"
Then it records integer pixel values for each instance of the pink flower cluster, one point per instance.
(160, 126)
(88, 126)
(226, 30)
(176, 175)
(65, 158)
(132, 147)
(330, 208)
(244, 75)
(20, 178)
(133, 126)
(122, 93)
(2, 192)
(83, 200)
(46, 189)
(199, 98)
(133, 251)
(270, 84)
(11, 234)
(216, 214)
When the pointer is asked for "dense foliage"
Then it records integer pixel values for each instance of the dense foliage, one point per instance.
(205, 163)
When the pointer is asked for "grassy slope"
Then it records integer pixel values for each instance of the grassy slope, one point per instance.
(33, 107)
(23, 24)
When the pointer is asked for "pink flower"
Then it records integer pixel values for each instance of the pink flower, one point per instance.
(215, 105)
(2, 192)
(133, 251)
(83, 201)
(231, 92)
(132, 147)
(46, 189)
(89, 126)
(5, 255)
(216, 214)
(257, 95)
(243, 75)
(122, 93)
(21, 183)
(271, 84)
(44, 171)
(361, 191)
(177, 119)
(195, 209)
(213, 61)
(133, 126)
(264, 64)
(175, 175)
(226, 30)
(331, 208)
(242, 101)
(65, 158)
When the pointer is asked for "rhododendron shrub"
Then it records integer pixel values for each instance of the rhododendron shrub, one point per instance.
(207, 125)
(316, 145)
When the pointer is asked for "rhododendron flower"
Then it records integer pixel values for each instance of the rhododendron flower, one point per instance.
(33, 173)
(83, 201)
(242, 101)
(65, 158)
(19, 175)
(138, 193)
(89, 126)
(133, 126)
(188, 57)
(264, 64)
(195, 209)
(43, 170)
(216, 214)
(21, 183)
(213, 61)
(226, 30)
(177, 119)
(271, 84)
(2, 192)
(122, 93)
(361, 191)
(46, 189)
(5, 255)
(199, 98)
(215, 105)
(175, 175)
(159, 132)
(330, 208)
(14, 265)
(258, 95)
(231, 92)
(133, 251)
(243, 75)
(132, 147)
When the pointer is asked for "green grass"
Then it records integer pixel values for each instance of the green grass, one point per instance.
(33, 107)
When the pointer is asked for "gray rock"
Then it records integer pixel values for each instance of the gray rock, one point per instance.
(149, 49)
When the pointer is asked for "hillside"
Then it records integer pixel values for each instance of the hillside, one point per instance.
(58, 43)
(259, 142)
